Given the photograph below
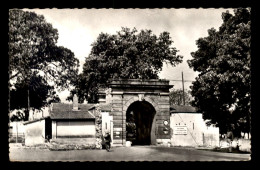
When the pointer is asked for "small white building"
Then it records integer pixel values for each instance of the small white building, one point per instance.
(189, 128)
(72, 123)
(68, 123)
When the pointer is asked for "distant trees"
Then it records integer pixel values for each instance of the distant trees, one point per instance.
(37, 66)
(176, 97)
(222, 91)
(126, 54)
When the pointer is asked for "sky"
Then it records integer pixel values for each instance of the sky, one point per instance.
(79, 28)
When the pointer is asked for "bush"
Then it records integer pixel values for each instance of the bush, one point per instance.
(71, 147)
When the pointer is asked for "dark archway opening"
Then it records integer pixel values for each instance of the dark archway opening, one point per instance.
(139, 121)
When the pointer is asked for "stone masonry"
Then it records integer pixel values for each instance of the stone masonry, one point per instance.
(125, 92)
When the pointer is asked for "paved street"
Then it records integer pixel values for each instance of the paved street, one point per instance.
(136, 153)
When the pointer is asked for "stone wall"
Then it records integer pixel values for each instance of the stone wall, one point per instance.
(107, 124)
(119, 119)
(125, 92)
(98, 127)
(120, 104)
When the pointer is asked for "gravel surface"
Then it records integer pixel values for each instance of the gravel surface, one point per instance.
(135, 153)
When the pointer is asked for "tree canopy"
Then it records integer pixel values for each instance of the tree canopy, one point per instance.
(176, 97)
(37, 65)
(222, 89)
(126, 54)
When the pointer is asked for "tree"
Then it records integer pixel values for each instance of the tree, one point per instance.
(36, 63)
(222, 89)
(176, 97)
(40, 94)
(127, 54)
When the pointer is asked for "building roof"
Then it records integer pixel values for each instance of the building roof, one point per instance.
(64, 111)
(140, 85)
(103, 107)
(183, 109)
(36, 120)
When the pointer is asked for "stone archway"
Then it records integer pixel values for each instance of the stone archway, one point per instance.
(153, 105)
(140, 123)
(125, 92)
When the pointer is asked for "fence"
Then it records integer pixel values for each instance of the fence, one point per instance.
(16, 137)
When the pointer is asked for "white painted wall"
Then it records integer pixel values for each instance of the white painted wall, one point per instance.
(35, 133)
(75, 128)
(53, 129)
(17, 127)
(211, 136)
(107, 123)
(198, 134)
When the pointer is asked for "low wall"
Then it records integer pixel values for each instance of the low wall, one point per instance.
(211, 137)
(189, 129)
(35, 132)
(242, 144)
(191, 132)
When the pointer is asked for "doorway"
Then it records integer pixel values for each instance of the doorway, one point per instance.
(140, 124)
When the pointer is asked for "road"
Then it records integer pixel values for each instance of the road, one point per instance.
(135, 153)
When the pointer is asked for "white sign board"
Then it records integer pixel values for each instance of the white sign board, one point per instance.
(117, 129)
(180, 130)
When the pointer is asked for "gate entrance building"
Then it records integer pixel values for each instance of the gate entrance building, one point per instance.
(140, 111)
(133, 110)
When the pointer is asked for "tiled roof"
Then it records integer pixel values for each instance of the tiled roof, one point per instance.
(64, 111)
(68, 106)
(183, 109)
(103, 107)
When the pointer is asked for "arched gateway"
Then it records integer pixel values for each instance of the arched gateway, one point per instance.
(144, 103)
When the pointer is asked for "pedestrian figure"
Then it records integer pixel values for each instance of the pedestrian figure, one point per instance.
(230, 137)
(108, 140)
(48, 138)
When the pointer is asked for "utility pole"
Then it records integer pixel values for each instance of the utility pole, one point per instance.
(28, 101)
(183, 88)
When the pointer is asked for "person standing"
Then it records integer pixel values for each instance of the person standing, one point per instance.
(230, 137)
(108, 140)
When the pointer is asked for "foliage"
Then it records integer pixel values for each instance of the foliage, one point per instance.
(81, 88)
(176, 97)
(40, 94)
(36, 63)
(222, 89)
(126, 54)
